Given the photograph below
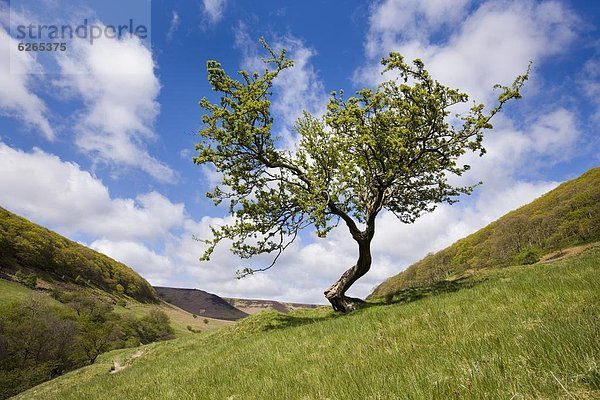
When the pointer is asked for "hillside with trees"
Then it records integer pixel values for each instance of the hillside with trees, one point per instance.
(566, 216)
(29, 251)
(42, 337)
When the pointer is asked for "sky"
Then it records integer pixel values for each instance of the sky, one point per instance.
(97, 141)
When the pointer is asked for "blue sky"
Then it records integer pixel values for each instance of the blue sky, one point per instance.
(96, 142)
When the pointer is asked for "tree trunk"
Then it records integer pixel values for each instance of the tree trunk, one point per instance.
(336, 294)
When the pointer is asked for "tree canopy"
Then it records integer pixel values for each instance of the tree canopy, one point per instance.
(393, 147)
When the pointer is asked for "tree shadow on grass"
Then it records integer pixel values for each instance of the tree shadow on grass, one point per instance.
(274, 320)
(415, 293)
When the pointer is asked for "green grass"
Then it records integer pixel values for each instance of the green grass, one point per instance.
(518, 333)
(12, 291)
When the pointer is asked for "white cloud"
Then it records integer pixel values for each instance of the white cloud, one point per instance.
(298, 88)
(175, 21)
(555, 134)
(154, 267)
(17, 97)
(302, 273)
(410, 19)
(493, 45)
(213, 10)
(60, 194)
(74, 201)
(155, 236)
(311, 265)
(116, 81)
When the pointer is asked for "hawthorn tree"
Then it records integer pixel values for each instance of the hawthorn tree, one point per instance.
(393, 147)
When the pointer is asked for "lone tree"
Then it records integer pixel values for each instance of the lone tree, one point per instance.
(390, 148)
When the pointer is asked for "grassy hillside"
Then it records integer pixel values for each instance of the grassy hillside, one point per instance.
(32, 249)
(566, 216)
(524, 332)
(45, 334)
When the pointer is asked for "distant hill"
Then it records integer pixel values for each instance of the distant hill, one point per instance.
(200, 303)
(210, 305)
(252, 306)
(27, 248)
(566, 216)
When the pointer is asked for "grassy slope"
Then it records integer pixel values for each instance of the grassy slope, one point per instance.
(12, 291)
(566, 216)
(180, 319)
(519, 333)
(34, 249)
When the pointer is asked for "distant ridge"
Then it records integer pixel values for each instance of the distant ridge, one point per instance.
(200, 303)
(564, 217)
(252, 306)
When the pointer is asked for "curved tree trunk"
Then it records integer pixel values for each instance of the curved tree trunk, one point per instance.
(336, 294)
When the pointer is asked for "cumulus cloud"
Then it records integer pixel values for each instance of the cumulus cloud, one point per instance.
(492, 45)
(156, 237)
(487, 42)
(393, 20)
(60, 194)
(116, 81)
(157, 269)
(302, 273)
(17, 80)
(310, 265)
(299, 88)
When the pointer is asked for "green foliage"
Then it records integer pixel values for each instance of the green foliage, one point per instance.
(522, 333)
(34, 337)
(29, 280)
(155, 326)
(27, 246)
(566, 216)
(391, 147)
(529, 256)
(40, 339)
